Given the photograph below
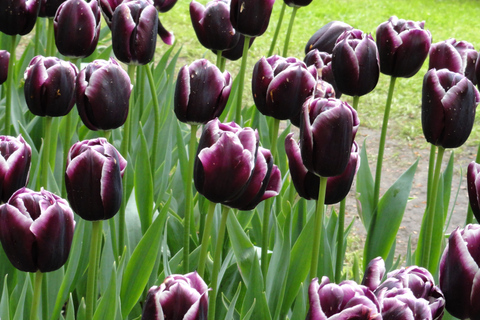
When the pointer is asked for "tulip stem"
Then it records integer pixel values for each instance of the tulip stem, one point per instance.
(289, 31)
(10, 85)
(38, 30)
(37, 291)
(92, 269)
(205, 237)
(241, 81)
(220, 61)
(340, 235)
(189, 198)
(470, 211)
(381, 148)
(217, 262)
(50, 38)
(156, 108)
(356, 99)
(277, 30)
(46, 151)
(319, 212)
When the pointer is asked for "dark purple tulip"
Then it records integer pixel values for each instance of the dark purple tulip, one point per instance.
(251, 17)
(459, 273)
(456, 56)
(108, 8)
(4, 59)
(280, 86)
(307, 183)
(298, 3)
(15, 158)
(134, 32)
(164, 5)
(48, 8)
(323, 62)
(325, 38)
(179, 297)
(18, 16)
(403, 46)
(77, 28)
(201, 92)
(50, 86)
(103, 93)
(327, 131)
(237, 51)
(347, 300)
(449, 101)
(473, 182)
(374, 274)
(36, 230)
(355, 63)
(212, 25)
(93, 179)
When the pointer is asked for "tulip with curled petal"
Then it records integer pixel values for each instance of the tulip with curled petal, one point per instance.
(93, 179)
(36, 230)
(325, 38)
(251, 17)
(179, 297)
(15, 161)
(18, 16)
(4, 59)
(50, 86)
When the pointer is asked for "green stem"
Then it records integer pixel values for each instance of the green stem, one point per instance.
(36, 295)
(319, 212)
(205, 237)
(427, 239)
(189, 198)
(217, 262)
(10, 84)
(277, 30)
(46, 151)
(340, 235)
(156, 108)
(289, 31)
(220, 59)
(431, 168)
(381, 148)
(50, 38)
(241, 81)
(91, 298)
(38, 30)
(470, 212)
(355, 102)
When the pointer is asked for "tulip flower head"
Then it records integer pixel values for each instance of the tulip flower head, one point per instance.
(93, 179)
(18, 16)
(325, 38)
(449, 101)
(212, 25)
(102, 94)
(134, 32)
(36, 230)
(48, 8)
(473, 182)
(297, 3)
(77, 28)
(323, 62)
(251, 17)
(50, 86)
(164, 5)
(459, 272)
(237, 51)
(182, 297)
(108, 8)
(15, 161)
(201, 92)
(403, 46)
(4, 59)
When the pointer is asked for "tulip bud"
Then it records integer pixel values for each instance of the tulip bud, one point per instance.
(327, 130)
(103, 93)
(280, 86)
(201, 92)
(164, 5)
(307, 183)
(93, 179)
(237, 51)
(18, 16)
(212, 25)
(459, 272)
(355, 63)
(108, 8)
(297, 3)
(178, 297)
(323, 62)
(50, 86)
(449, 101)
(134, 32)
(347, 300)
(36, 230)
(77, 28)
(251, 17)
(48, 8)
(455, 56)
(473, 183)
(403, 46)
(325, 38)
(15, 158)
(4, 59)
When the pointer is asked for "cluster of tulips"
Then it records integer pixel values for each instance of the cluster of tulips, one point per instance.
(229, 166)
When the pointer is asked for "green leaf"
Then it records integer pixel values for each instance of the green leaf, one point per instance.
(255, 293)
(301, 307)
(365, 188)
(386, 220)
(82, 310)
(107, 306)
(5, 302)
(140, 265)
(70, 309)
(231, 307)
(21, 301)
(447, 184)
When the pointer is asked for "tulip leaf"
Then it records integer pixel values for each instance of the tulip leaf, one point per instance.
(82, 310)
(141, 263)
(143, 184)
(70, 309)
(21, 303)
(5, 302)
(231, 307)
(387, 218)
(182, 153)
(256, 293)
(365, 188)
(107, 307)
(300, 308)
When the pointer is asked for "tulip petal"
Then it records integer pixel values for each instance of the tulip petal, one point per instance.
(166, 36)
(374, 273)
(123, 27)
(182, 94)
(146, 35)
(315, 312)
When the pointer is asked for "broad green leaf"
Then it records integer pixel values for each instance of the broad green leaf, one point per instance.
(82, 310)
(365, 188)
(19, 312)
(231, 307)
(300, 308)
(107, 307)
(5, 303)
(386, 220)
(70, 309)
(256, 293)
